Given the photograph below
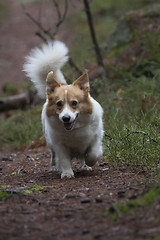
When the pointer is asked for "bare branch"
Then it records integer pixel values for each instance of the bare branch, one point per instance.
(38, 24)
(138, 132)
(61, 17)
(45, 34)
(41, 36)
(57, 7)
(72, 64)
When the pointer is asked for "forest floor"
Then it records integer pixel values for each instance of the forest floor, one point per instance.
(36, 204)
(39, 205)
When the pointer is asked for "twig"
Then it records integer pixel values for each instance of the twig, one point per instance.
(137, 132)
(37, 23)
(44, 34)
(110, 138)
(61, 17)
(72, 63)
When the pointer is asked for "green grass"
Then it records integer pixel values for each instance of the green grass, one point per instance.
(133, 206)
(4, 195)
(132, 120)
(3, 10)
(20, 128)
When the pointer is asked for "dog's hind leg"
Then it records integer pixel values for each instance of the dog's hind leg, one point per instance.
(52, 162)
(84, 167)
(94, 153)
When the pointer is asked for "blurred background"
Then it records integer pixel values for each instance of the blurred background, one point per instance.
(118, 42)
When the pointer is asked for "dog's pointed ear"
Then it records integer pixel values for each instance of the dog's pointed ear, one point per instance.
(51, 83)
(83, 82)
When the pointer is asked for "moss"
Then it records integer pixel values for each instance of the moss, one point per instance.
(33, 188)
(27, 191)
(4, 187)
(10, 88)
(3, 10)
(4, 195)
(37, 188)
(131, 207)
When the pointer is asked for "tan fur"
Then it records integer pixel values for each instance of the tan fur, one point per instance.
(78, 91)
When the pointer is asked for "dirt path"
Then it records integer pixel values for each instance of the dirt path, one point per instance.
(42, 206)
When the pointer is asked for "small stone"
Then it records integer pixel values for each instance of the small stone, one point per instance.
(87, 200)
(132, 197)
(85, 231)
(5, 159)
(122, 169)
(70, 196)
(21, 170)
(121, 194)
(82, 195)
(102, 164)
(105, 169)
(98, 200)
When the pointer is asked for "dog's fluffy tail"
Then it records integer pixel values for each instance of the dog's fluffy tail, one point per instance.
(51, 57)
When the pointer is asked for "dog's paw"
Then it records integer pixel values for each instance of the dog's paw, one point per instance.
(86, 168)
(53, 169)
(67, 174)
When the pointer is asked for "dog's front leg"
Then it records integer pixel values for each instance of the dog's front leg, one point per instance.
(64, 161)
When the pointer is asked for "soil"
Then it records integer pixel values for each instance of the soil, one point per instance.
(69, 208)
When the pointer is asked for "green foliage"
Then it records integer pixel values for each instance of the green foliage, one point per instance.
(4, 195)
(132, 206)
(132, 120)
(20, 128)
(3, 9)
(33, 188)
(4, 187)
(28, 1)
(10, 88)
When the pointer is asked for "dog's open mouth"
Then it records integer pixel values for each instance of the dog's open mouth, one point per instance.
(69, 126)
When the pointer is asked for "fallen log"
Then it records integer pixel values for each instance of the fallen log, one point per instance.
(20, 101)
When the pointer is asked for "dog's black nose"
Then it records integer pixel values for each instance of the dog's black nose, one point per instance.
(66, 118)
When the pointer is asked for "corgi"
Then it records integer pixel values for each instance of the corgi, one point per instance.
(71, 118)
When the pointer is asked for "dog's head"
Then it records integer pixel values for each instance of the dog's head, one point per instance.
(68, 101)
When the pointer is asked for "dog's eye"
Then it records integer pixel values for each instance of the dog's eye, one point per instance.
(74, 103)
(59, 104)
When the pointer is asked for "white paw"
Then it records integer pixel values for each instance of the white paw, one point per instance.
(53, 169)
(86, 168)
(67, 174)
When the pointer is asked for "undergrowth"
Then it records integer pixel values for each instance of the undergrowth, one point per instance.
(131, 207)
(132, 122)
(20, 128)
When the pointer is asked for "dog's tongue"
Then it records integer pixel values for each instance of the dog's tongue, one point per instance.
(68, 126)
